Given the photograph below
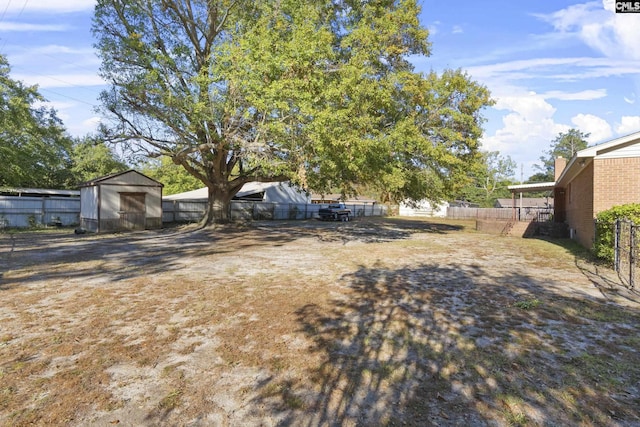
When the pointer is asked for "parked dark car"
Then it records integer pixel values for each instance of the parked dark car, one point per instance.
(335, 212)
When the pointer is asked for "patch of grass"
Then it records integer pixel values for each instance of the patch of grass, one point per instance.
(601, 371)
(602, 313)
(171, 369)
(278, 364)
(232, 270)
(512, 411)
(528, 304)
(6, 394)
(283, 390)
(171, 400)
(191, 348)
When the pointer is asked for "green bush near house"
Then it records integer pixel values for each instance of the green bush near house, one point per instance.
(603, 246)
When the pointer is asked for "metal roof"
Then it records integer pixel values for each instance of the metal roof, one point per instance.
(95, 181)
(21, 191)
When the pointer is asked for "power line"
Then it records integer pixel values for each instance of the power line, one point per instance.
(53, 77)
(67, 96)
(4, 12)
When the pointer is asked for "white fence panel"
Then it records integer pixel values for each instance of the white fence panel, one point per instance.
(183, 210)
(31, 211)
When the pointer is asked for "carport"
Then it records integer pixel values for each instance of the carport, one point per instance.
(527, 188)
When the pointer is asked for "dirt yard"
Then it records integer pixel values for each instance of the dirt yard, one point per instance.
(377, 322)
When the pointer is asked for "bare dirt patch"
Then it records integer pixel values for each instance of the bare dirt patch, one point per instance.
(371, 322)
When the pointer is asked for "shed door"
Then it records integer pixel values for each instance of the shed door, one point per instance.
(132, 211)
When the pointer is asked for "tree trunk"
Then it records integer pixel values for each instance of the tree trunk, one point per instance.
(218, 207)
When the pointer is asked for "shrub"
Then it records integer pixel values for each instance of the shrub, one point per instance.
(603, 246)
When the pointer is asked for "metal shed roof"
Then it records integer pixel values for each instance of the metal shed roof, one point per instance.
(105, 178)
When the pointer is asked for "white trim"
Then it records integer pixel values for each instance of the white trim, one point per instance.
(608, 146)
(588, 154)
(539, 186)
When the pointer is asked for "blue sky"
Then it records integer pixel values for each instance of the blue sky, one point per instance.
(550, 65)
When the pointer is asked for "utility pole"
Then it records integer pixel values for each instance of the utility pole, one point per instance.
(521, 182)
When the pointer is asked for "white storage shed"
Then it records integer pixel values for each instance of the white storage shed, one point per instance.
(123, 201)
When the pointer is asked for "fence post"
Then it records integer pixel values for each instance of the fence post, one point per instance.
(632, 255)
(616, 245)
(44, 211)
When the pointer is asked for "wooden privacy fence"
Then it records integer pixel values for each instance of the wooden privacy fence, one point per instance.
(521, 214)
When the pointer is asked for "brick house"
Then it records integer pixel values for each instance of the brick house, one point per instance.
(596, 179)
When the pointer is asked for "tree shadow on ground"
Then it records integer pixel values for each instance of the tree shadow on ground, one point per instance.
(454, 345)
(121, 256)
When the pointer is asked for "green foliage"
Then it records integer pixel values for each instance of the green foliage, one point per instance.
(319, 93)
(566, 144)
(34, 149)
(528, 304)
(490, 178)
(174, 177)
(603, 246)
(91, 158)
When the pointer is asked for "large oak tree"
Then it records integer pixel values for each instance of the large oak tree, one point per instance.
(321, 93)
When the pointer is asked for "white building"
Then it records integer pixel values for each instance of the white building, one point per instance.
(423, 208)
(123, 201)
(269, 192)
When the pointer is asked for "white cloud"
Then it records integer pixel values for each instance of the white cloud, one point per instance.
(433, 28)
(631, 99)
(628, 124)
(596, 24)
(569, 69)
(6, 27)
(49, 6)
(531, 106)
(54, 49)
(527, 130)
(585, 95)
(597, 127)
(457, 29)
(57, 105)
(92, 122)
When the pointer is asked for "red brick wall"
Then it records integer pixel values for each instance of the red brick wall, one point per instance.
(617, 182)
(579, 198)
(602, 184)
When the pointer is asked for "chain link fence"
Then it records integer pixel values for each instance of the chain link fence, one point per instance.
(626, 251)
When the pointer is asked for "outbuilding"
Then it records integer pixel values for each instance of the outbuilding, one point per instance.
(423, 208)
(122, 201)
(268, 192)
